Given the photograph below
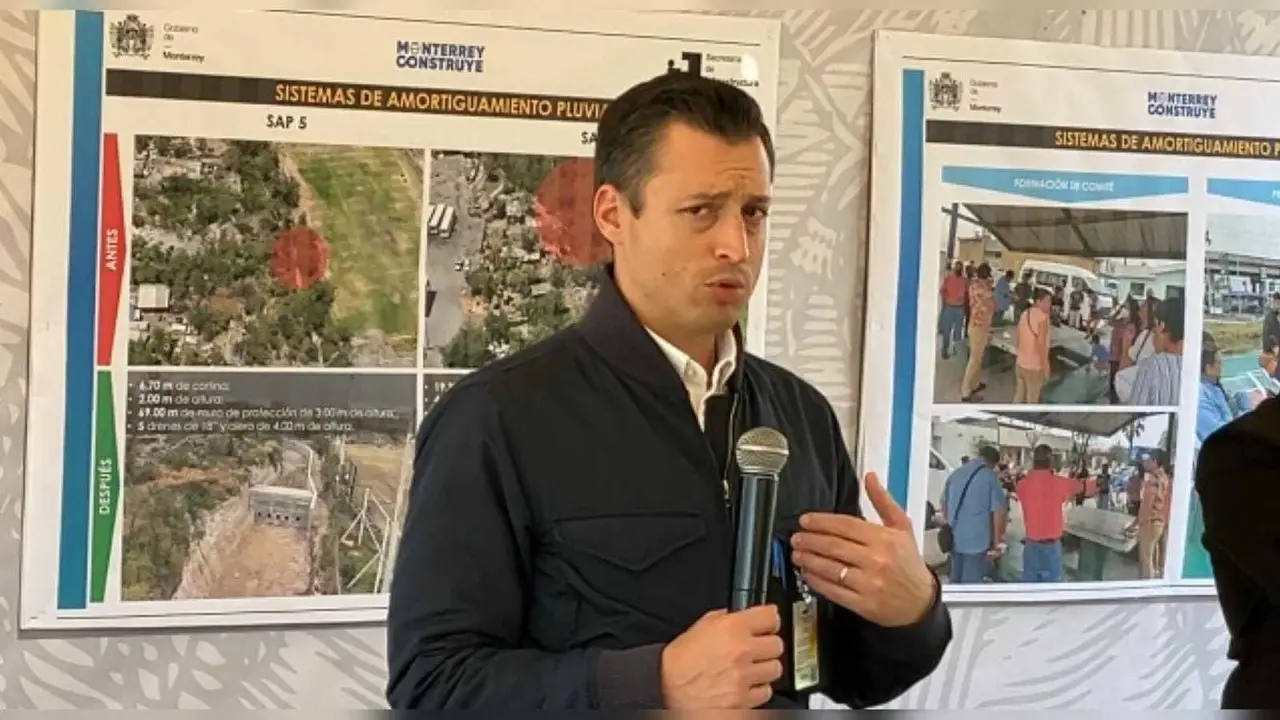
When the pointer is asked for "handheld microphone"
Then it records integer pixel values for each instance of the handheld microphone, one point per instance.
(761, 453)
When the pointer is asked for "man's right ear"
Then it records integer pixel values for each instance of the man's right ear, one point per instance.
(607, 208)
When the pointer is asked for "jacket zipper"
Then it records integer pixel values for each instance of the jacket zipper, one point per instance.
(728, 459)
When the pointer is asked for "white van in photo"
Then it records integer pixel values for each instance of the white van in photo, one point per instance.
(1051, 275)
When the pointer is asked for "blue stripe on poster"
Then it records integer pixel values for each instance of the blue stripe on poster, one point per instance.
(86, 143)
(1064, 186)
(906, 319)
(1264, 192)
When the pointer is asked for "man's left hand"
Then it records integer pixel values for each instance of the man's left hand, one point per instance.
(873, 570)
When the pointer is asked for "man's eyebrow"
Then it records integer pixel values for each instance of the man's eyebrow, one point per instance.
(716, 197)
(719, 197)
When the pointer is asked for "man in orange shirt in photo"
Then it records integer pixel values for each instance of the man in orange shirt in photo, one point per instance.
(1042, 493)
(982, 309)
(1032, 368)
(1153, 515)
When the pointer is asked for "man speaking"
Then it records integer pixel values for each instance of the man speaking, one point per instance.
(569, 540)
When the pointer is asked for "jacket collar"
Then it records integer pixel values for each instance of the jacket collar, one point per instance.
(612, 328)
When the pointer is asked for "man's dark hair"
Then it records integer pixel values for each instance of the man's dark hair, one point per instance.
(1039, 294)
(1042, 457)
(1160, 458)
(984, 271)
(632, 127)
(1008, 274)
(989, 455)
(1170, 314)
(1208, 351)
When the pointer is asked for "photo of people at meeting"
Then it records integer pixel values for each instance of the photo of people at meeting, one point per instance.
(1046, 497)
(1241, 314)
(1240, 349)
(1056, 306)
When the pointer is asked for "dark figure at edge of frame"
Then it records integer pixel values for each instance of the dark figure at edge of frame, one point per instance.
(1235, 479)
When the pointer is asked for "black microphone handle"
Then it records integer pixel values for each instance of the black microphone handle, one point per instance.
(757, 500)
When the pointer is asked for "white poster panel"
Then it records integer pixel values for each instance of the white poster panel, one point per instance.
(265, 244)
(1057, 231)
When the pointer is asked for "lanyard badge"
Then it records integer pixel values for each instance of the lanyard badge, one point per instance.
(804, 620)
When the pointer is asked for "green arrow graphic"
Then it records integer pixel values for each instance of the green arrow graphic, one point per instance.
(106, 488)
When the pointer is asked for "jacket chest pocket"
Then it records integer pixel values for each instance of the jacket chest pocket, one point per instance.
(632, 566)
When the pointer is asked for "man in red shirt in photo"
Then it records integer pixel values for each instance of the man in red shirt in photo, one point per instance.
(1042, 495)
(952, 293)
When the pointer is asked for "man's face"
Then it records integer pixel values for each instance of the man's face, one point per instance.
(1214, 369)
(692, 255)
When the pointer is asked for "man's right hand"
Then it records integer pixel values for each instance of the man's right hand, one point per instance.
(724, 661)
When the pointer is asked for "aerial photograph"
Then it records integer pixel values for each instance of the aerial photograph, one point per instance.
(248, 253)
(276, 508)
(511, 252)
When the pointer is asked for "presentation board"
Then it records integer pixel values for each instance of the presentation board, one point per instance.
(1057, 232)
(265, 243)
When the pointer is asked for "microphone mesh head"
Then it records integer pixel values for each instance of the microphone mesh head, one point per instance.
(761, 451)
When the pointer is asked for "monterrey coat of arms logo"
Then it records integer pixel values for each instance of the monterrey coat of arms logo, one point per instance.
(945, 92)
(131, 37)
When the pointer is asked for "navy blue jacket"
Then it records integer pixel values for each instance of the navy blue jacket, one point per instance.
(568, 518)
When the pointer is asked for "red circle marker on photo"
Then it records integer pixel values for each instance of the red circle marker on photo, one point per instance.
(564, 216)
(299, 257)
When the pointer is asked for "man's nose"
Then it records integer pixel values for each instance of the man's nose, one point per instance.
(731, 240)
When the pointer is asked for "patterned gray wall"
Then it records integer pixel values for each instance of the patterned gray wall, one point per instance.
(1138, 655)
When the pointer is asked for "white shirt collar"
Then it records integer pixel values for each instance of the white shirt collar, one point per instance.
(691, 371)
